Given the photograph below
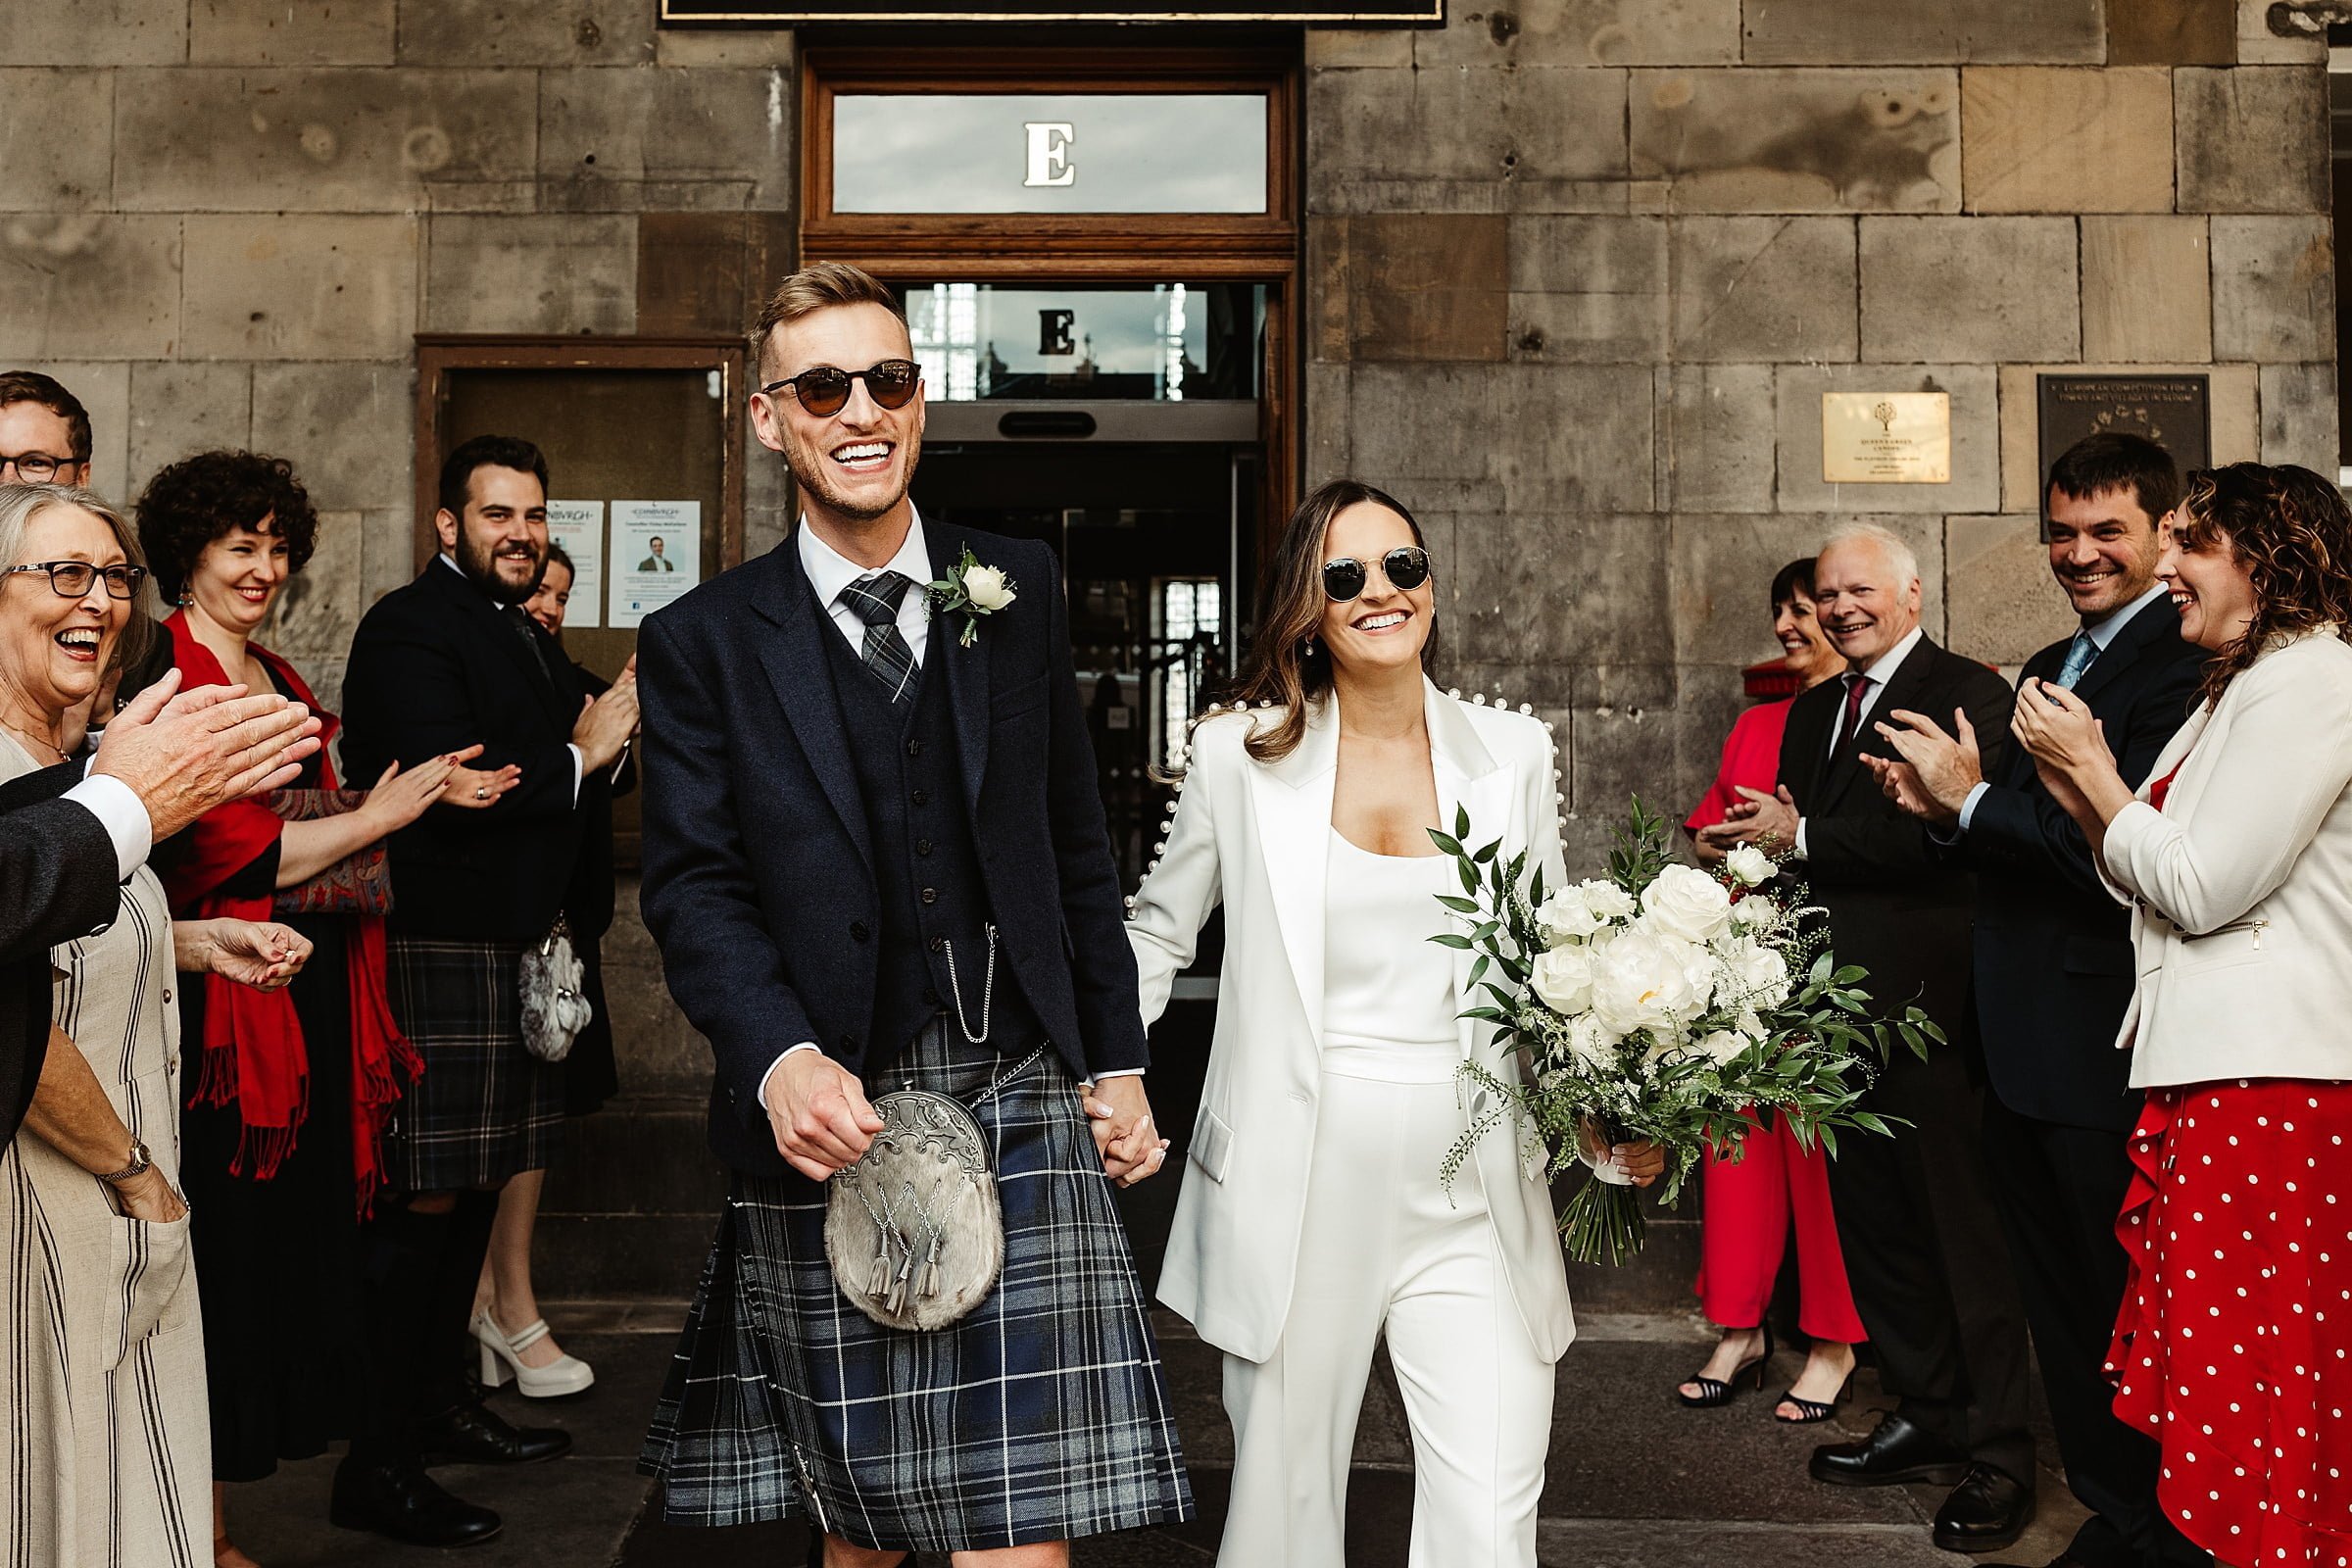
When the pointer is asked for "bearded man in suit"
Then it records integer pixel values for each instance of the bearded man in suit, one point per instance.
(1923, 1249)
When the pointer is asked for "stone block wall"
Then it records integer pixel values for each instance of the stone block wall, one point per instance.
(1580, 271)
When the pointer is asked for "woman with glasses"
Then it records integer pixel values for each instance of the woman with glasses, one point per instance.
(106, 1454)
(284, 1115)
(1315, 1221)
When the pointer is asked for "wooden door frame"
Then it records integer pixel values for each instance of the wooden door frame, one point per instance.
(1093, 248)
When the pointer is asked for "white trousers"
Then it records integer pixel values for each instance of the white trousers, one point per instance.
(1383, 1252)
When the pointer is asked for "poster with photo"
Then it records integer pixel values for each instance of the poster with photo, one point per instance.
(579, 527)
(656, 556)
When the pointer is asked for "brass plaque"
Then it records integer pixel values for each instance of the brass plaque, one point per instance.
(1886, 437)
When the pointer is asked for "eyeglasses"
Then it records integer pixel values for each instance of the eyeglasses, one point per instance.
(1406, 567)
(823, 390)
(38, 467)
(71, 579)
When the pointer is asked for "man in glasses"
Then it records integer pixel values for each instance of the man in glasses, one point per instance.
(44, 432)
(875, 859)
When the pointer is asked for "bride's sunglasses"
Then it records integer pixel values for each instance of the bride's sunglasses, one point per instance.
(1406, 567)
(824, 390)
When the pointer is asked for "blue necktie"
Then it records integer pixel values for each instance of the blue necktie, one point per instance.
(2079, 654)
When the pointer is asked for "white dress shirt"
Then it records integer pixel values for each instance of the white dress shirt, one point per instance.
(1875, 678)
(579, 759)
(2103, 632)
(119, 810)
(829, 572)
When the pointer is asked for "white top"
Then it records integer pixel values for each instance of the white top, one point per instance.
(1385, 986)
(830, 572)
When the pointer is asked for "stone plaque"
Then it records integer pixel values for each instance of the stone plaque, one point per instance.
(1886, 437)
(775, 12)
(2169, 409)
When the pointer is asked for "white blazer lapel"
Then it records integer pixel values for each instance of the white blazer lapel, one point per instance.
(1292, 802)
(1468, 779)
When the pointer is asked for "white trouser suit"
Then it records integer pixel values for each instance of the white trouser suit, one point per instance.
(1297, 1248)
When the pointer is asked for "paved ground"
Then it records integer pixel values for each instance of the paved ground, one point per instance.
(1636, 1481)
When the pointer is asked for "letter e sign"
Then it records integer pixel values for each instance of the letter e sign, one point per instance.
(1050, 152)
(1053, 333)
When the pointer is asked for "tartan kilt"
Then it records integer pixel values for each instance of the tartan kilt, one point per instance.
(1041, 1416)
(484, 1108)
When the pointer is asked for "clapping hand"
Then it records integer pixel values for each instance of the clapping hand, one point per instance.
(476, 789)
(2060, 730)
(1936, 770)
(1756, 818)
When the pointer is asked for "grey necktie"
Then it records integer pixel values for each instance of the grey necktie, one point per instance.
(2079, 656)
(874, 599)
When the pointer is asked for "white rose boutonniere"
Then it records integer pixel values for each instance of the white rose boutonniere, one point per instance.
(974, 589)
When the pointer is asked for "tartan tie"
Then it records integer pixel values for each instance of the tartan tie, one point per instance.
(874, 599)
(2079, 656)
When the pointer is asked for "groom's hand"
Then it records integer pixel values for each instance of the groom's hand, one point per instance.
(1120, 1116)
(820, 1113)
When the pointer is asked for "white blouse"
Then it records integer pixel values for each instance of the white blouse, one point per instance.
(1389, 1007)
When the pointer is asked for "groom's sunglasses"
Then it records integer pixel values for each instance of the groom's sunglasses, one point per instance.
(1406, 567)
(824, 390)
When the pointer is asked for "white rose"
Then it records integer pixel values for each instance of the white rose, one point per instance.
(1591, 1044)
(1750, 914)
(1751, 867)
(1723, 1047)
(1687, 902)
(1644, 980)
(1564, 979)
(1567, 916)
(1607, 898)
(987, 589)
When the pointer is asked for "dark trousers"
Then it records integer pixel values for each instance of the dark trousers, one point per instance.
(1929, 1271)
(418, 1273)
(2058, 1191)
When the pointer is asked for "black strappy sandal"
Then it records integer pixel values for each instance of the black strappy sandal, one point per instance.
(1815, 1409)
(1713, 1392)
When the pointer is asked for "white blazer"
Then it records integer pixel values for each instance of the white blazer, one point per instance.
(1255, 837)
(2241, 887)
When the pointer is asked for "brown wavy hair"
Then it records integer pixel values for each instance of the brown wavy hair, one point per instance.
(1285, 670)
(2291, 530)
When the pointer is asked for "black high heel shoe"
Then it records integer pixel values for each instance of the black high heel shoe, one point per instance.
(1814, 1409)
(1713, 1392)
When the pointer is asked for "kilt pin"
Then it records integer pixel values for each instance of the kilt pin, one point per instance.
(893, 850)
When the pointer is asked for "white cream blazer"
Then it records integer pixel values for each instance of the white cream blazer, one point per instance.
(1255, 837)
(2241, 887)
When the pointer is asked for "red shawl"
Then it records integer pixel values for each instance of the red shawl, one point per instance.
(253, 1051)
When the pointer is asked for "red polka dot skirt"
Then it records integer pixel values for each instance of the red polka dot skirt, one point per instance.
(2233, 1348)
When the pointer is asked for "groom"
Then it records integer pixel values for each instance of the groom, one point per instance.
(875, 858)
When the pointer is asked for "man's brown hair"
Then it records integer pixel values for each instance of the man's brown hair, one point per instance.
(31, 386)
(818, 286)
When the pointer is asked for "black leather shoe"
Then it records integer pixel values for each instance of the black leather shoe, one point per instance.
(1985, 1512)
(397, 1498)
(1897, 1452)
(471, 1434)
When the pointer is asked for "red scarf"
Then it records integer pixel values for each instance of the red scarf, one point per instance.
(253, 1051)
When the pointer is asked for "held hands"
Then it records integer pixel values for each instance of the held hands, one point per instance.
(820, 1113)
(184, 753)
(1119, 1115)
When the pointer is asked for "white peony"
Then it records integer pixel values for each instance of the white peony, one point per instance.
(1566, 916)
(1687, 902)
(987, 589)
(1749, 865)
(1755, 976)
(1752, 914)
(1646, 980)
(1589, 1042)
(1723, 1047)
(1563, 978)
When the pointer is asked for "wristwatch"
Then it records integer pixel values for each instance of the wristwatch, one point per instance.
(138, 1166)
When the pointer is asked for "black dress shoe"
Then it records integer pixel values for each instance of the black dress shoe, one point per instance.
(1897, 1452)
(1985, 1512)
(397, 1498)
(469, 1433)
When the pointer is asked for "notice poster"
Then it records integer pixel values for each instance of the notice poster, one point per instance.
(656, 556)
(579, 527)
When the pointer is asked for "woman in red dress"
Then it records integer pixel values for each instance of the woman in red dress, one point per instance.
(1748, 1203)
(2233, 1348)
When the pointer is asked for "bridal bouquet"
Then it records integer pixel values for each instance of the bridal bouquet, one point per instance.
(1660, 1003)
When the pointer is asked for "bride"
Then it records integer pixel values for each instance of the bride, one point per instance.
(1314, 1219)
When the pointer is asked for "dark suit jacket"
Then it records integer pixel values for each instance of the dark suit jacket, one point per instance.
(1896, 906)
(760, 882)
(2053, 952)
(435, 666)
(57, 883)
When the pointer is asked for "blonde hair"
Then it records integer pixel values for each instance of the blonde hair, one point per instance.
(20, 504)
(818, 286)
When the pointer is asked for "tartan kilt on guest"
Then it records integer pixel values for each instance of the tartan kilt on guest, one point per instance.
(484, 1108)
(1041, 1416)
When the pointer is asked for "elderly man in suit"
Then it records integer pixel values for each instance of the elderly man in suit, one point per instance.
(875, 858)
(1922, 1246)
(2053, 969)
